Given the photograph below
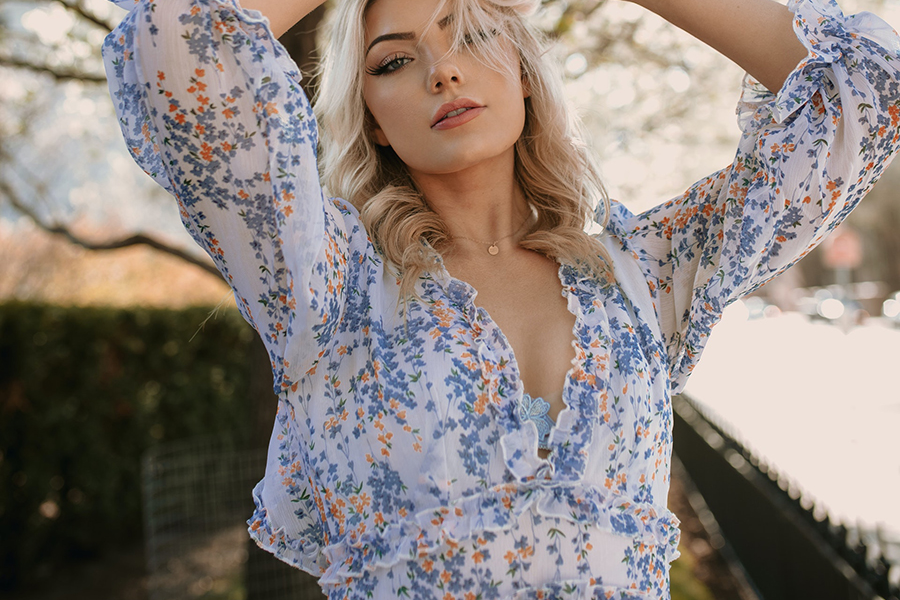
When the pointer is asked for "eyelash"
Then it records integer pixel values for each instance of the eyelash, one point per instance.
(384, 67)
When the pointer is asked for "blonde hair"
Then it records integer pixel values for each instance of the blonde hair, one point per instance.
(556, 172)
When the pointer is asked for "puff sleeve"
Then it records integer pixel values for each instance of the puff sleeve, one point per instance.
(807, 155)
(211, 108)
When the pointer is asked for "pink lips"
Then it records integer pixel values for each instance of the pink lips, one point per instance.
(442, 121)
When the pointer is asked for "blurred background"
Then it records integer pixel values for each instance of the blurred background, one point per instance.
(131, 392)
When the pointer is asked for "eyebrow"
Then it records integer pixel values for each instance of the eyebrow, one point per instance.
(406, 35)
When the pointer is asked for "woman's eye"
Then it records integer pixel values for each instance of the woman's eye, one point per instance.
(468, 39)
(484, 35)
(389, 65)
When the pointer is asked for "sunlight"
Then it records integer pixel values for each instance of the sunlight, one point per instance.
(12, 90)
(51, 24)
(821, 404)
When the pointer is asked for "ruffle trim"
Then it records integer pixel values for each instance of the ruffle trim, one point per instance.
(302, 553)
(496, 509)
(519, 442)
(583, 590)
(826, 33)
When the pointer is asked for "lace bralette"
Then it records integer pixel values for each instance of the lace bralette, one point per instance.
(535, 409)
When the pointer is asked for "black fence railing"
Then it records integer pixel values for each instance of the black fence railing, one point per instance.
(788, 545)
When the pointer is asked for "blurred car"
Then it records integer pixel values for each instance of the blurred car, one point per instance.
(832, 305)
(759, 308)
(890, 309)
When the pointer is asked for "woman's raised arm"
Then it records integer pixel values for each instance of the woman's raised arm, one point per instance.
(756, 34)
(811, 148)
(282, 14)
(210, 106)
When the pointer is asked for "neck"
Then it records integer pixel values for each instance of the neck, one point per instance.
(483, 203)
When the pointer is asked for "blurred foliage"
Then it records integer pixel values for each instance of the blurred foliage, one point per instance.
(83, 393)
(654, 102)
(638, 75)
(657, 104)
(684, 584)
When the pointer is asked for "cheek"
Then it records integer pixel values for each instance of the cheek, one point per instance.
(388, 110)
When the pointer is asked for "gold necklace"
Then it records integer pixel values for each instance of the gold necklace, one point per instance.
(493, 249)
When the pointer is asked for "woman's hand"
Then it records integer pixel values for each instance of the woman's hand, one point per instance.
(756, 34)
(282, 14)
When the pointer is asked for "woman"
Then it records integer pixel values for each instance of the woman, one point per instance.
(431, 443)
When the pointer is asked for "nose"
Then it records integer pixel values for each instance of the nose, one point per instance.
(445, 72)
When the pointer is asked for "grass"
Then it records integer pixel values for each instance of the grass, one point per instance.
(685, 586)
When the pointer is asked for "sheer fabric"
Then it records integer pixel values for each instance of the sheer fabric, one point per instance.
(399, 464)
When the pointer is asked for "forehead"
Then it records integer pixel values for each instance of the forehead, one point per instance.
(399, 16)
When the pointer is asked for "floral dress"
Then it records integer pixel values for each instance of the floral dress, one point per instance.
(400, 464)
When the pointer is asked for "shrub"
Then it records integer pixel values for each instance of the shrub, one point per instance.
(83, 392)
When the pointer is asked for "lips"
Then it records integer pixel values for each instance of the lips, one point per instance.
(454, 110)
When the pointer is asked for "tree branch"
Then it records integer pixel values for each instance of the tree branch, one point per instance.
(79, 9)
(133, 240)
(59, 75)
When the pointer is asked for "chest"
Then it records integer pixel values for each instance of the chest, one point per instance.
(437, 393)
(524, 300)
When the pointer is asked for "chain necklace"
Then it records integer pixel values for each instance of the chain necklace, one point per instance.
(493, 249)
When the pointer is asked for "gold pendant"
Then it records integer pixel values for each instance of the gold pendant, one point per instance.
(493, 250)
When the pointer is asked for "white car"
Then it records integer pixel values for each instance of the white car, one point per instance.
(890, 308)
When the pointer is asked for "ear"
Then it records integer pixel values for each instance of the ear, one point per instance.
(526, 84)
(378, 136)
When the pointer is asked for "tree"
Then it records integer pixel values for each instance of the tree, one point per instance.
(635, 80)
(50, 50)
(654, 100)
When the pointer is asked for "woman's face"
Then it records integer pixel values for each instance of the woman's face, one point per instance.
(411, 83)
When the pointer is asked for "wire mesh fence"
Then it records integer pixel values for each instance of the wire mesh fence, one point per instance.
(197, 498)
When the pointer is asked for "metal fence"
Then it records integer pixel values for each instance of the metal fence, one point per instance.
(788, 544)
(197, 498)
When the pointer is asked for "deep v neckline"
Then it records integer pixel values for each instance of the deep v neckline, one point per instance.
(486, 322)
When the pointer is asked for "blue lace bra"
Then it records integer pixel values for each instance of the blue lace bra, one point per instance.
(535, 409)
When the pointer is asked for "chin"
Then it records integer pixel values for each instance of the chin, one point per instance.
(464, 159)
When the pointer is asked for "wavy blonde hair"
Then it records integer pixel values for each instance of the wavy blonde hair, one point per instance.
(556, 172)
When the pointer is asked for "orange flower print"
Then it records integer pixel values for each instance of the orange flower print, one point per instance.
(397, 465)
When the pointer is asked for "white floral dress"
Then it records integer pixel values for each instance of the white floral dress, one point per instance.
(399, 465)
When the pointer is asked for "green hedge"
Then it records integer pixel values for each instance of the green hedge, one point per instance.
(83, 392)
